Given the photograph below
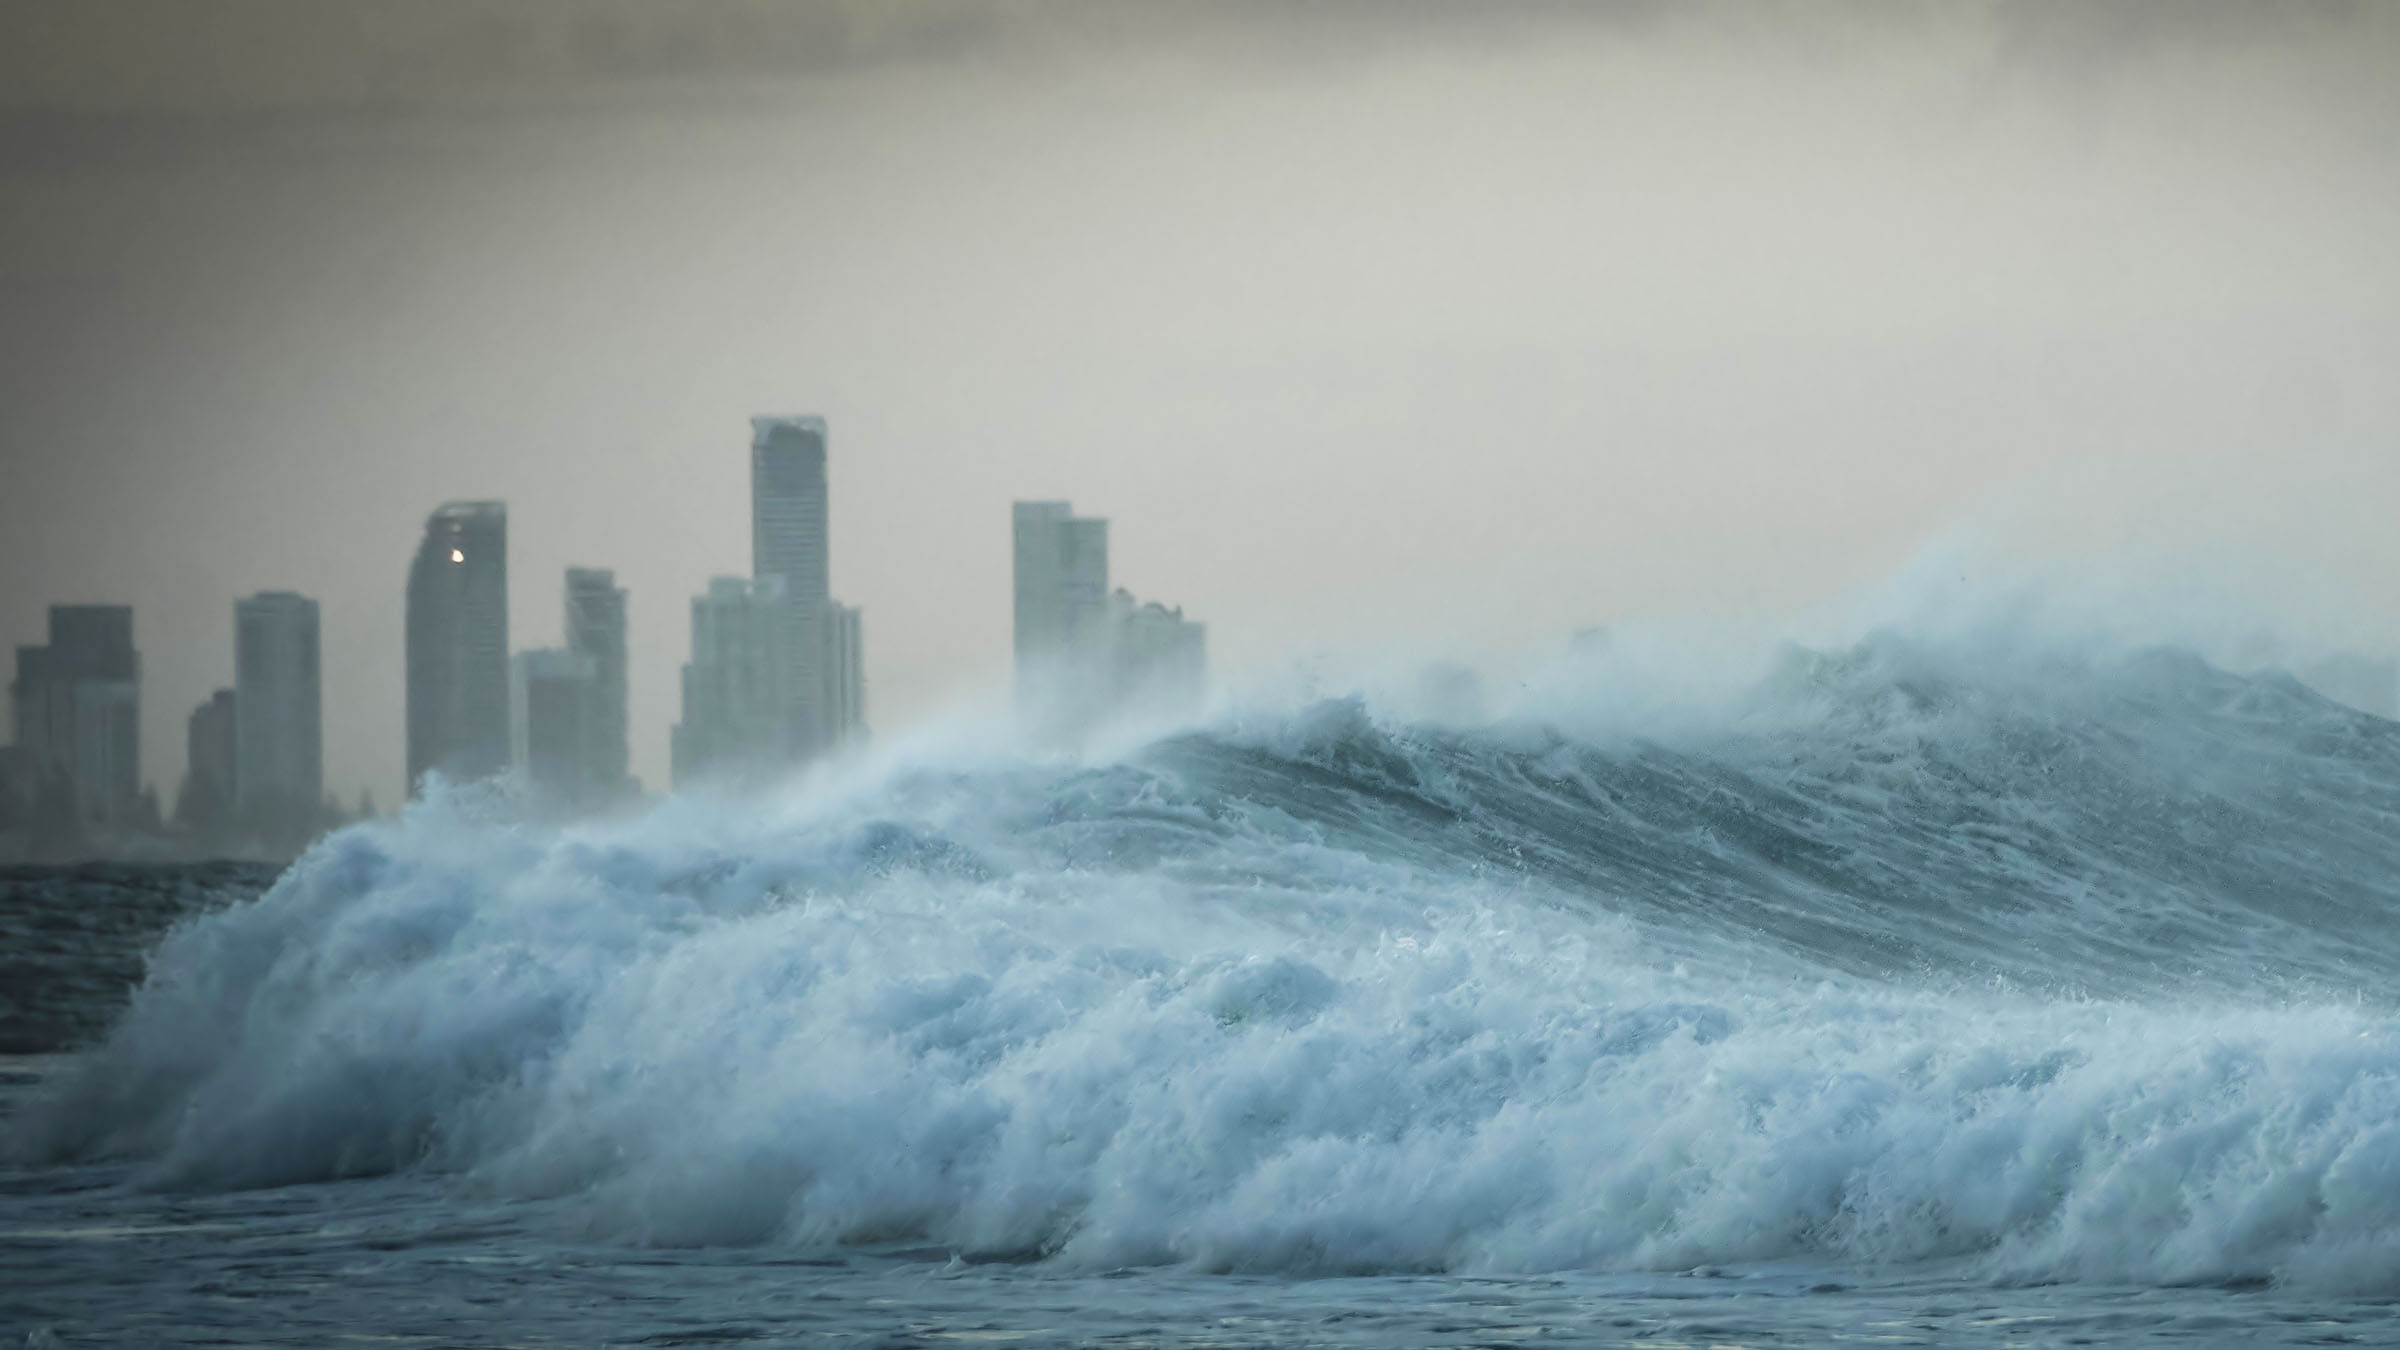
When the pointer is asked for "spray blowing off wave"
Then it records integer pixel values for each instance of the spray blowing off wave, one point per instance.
(2068, 973)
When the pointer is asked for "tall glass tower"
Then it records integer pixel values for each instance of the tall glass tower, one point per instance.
(596, 628)
(787, 541)
(279, 745)
(458, 645)
(1062, 620)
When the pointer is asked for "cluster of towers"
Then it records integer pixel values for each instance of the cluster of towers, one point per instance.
(256, 759)
(76, 763)
(775, 677)
(557, 713)
(777, 669)
(776, 674)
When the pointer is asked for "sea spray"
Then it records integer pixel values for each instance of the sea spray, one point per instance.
(2063, 971)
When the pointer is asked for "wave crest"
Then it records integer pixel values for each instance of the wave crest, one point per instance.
(1901, 964)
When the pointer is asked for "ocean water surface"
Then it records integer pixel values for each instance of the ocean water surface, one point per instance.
(1914, 998)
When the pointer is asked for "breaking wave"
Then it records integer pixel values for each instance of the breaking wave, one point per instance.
(2064, 969)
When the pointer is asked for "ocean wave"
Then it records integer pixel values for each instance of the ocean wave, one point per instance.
(2062, 971)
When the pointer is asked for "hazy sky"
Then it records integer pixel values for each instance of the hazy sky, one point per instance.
(1360, 320)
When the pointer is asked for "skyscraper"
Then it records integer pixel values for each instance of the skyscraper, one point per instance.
(1083, 652)
(788, 541)
(1061, 567)
(551, 707)
(1061, 583)
(206, 802)
(279, 754)
(77, 704)
(1161, 662)
(845, 676)
(596, 628)
(734, 698)
(458, 645)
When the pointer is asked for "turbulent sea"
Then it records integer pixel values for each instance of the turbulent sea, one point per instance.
(1910, 997)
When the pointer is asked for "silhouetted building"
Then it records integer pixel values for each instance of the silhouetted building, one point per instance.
(1083, 653)
(279, 742)
(20, 789)
(77, 705)
(1061, 617)
(551, 709)
(596, 628)
(845, 698)
(458, 645)
(206, 803)
(734, 697)
(1061, 586)
(788, 540)
(1161, 658)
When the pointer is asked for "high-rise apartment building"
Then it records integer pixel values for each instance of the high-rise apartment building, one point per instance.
(77, 704)
(735, 701)
(596, 629)
(458, 687)
(788, 541)
(1161, 660)
(1061, 588)
(279, 729)
(206, 802)
(550, 715)
(1084, 654)
(845, 677)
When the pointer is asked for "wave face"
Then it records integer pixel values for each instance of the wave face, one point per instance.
(2077, 971)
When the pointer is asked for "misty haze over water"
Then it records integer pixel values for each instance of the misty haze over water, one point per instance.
(1538, 674)
(1371, 327)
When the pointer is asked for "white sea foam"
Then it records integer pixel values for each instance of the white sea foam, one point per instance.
(1255, 1002)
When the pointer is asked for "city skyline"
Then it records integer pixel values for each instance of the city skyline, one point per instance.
(1354, 337)
(594, 615)
(1186, 671)
(774, 681)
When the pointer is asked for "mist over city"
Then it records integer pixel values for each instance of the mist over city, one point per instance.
(1192, 673)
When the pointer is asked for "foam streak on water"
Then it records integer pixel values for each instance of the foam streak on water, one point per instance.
(2074, 974)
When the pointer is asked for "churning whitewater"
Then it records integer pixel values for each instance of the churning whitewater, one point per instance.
(2048, 970)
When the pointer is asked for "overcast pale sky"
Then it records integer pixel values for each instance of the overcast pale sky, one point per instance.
(1360, 320)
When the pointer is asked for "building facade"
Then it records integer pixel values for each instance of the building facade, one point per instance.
(206, 803)
(735, 696)
(788, 513)
(1161, 658)
(1085, 653)
(550, 716)
(279, 736)
(77, 706)
(845, 696)
(458, 670)
(596, 629)
(1061, 586)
